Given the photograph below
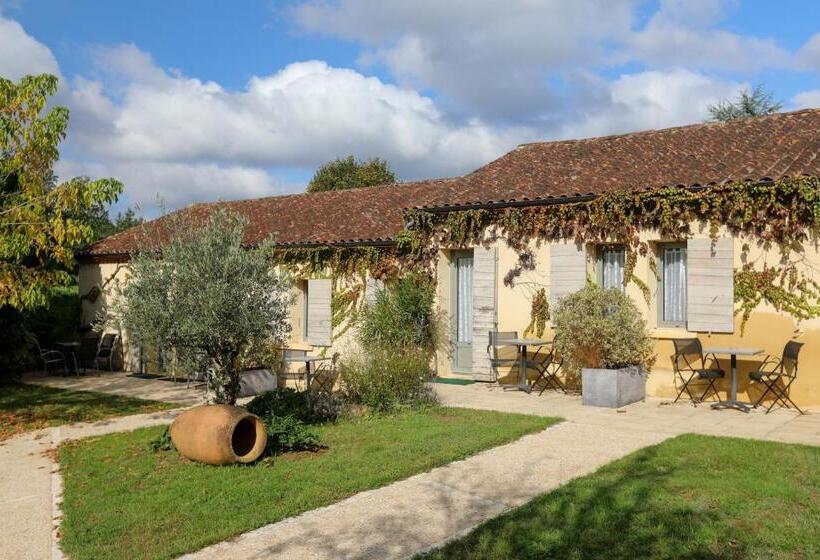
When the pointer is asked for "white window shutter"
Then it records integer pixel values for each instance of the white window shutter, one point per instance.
(318, 309)
(710, 285)
(372, 287)
(484, 310)
(568, 270)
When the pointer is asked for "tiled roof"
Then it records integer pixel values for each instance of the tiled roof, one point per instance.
(366, 215)
(771, 147)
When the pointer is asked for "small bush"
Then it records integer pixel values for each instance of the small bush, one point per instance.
(597, 328)
(288, 433)
(290, 402)
(162, 442)
(287, 415)
(384, 378)
(401, 315)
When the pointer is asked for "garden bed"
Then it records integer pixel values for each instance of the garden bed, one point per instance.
(689, 497)
(32, 407)
(119, 497)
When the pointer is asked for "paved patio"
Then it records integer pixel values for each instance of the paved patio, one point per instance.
(408, 516)
(126, 384)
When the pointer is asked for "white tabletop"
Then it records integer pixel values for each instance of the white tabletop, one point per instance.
(735, 351)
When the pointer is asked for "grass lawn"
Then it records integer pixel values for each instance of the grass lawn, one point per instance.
(122, 501)
(32, 407)
(692, 497)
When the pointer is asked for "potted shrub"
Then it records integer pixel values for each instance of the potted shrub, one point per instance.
(601, 334)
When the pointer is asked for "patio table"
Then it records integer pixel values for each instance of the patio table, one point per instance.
(70, 348)
(734, 352)
(522, 343)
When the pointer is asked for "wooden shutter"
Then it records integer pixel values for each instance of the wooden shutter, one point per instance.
(568, 270)
(484, 310)
(371, 288)
(318, 310)
(710, 285)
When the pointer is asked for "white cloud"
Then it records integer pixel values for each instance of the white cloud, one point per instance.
(490, 57)
(806, 99)
(685, 33)
(808, 56)
(653, 99)
(177, 184)
(22, 54)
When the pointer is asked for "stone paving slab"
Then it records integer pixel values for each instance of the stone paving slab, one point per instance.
(120, 383)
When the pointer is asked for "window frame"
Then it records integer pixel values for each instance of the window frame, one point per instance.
(599, 261)
(660, 294)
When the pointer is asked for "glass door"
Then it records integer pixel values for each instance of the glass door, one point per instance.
(461, 310)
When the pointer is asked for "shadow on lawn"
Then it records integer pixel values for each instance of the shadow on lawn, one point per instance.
(623, 512)
(25, 407)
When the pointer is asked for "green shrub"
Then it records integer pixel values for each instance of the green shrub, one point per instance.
(287, 414)
(385, 377)
(288, 433)
(597, 328)
(290, 402)
(162, 442)
(401, 315)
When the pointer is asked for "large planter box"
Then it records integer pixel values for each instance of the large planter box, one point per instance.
(612, 388)
(255, 381)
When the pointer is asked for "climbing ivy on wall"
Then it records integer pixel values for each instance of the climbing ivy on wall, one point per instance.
(783, 213)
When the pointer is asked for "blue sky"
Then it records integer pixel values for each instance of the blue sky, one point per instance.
(197, 101)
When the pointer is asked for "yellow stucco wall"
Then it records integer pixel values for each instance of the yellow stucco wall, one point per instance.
(767, 328)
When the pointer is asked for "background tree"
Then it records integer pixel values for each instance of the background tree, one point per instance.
(41, 221)
(100, 220)
(758, 102)
(351, 173)
(206, 297)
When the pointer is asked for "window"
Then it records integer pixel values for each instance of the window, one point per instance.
(672, 300)
(464, 299)
(611, 267)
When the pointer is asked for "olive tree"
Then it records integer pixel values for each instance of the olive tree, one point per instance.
(204, 295)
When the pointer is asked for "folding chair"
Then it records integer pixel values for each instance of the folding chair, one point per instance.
(326, 375)
(773, 370)
(497, 341)
(547, 364)
(688, 352)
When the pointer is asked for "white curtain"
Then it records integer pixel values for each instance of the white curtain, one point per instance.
(464, 269)
(612, 262)
(674, 284)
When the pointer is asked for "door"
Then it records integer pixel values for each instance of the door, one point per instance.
(461, 311)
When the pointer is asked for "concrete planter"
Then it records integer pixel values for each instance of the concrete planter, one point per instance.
(612, 388)
(256, 381)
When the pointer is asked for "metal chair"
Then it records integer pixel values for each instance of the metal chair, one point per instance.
(48, 356)
(547, 364)
(105, 351)
(773, 370)
(496, 342)
(688, 355)
(326, 375)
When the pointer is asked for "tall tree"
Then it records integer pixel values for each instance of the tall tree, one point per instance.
(747, 104)
(197, 290)
(41, 221)
(351, 173)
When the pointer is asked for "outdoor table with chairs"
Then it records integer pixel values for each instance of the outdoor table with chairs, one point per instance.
(776, 374)
(544, 361)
